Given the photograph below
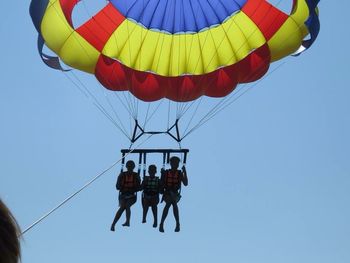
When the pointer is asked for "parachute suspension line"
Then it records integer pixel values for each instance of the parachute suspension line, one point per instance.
(249, 88)
(100, 106)
(96, 102)
(168, 114)
(222, 101)
(136, 100)
(154, 111)
(194, 113)
(86, 92)
(86, 185)
(230, 101)
(182, 108)
(128, 97)
(213, 56)
(131, 89)
(187, 107)
(146, 116)
(128, 102)
(178, 113)
(137, 107)
(177, 108)
(164, 160)
(133, 102)
(247, 39)
(182, 155)
(115, 113)
(123, 163)
(131, 122)
(212, 112)
(140, 164)
(144, 164)
(126, 106)
(208, 64)
(217, 108)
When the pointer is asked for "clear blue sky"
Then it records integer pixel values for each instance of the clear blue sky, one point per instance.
(269, 176)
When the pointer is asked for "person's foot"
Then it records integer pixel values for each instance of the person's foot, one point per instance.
(143, 221)
(177, 228)
(155, 224)
(161, 228)
(126, 224)
(112, 228)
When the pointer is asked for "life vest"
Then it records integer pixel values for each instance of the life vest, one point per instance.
(151, 185)
(172, 179)
(128, 182)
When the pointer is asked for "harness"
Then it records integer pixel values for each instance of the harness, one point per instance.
(172, 180)
(151, 185)
(128, 183)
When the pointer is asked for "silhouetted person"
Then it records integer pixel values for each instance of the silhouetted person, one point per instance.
(170, 186)
(128, 183)
(150, 195)
(9, 233)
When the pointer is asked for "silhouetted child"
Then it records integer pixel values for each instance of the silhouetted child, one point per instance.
(150, 195)
(170, 187)
(128, 183)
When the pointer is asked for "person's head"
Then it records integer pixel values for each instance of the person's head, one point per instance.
(130, 165)
(152, 170)
(9, 232)
(174, 162)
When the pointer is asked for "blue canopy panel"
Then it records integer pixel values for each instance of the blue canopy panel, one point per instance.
(178, 16)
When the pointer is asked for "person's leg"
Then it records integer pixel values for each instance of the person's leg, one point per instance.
(155, 215)
(145, 211)
(129, 203)
(176, 215)
(117, 216)
(128, 215)
(164, 215)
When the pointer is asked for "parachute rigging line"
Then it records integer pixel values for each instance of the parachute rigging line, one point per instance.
(115, 112)
(227, 101)
(99, 105)
(86, 185)
(208, 64)
(230, 99)
(211, 114)
(181, 108)
(88, 94)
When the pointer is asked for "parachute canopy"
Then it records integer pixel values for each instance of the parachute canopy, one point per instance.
(174, 49)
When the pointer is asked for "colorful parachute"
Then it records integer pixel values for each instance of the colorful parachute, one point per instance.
(174, 49)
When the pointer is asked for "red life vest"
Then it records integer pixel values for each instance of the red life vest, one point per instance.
(172, 179)
(128, 182)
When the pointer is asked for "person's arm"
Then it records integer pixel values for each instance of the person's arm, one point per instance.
(184, 176)
(143, 184)
(119, 181)
(138, 183)
(162, 181)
